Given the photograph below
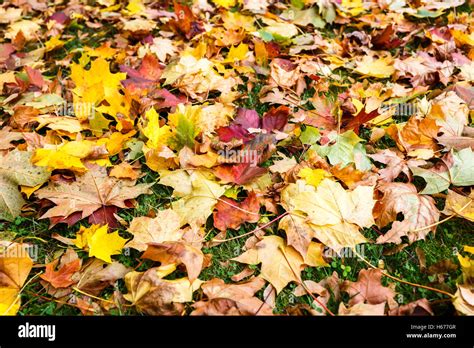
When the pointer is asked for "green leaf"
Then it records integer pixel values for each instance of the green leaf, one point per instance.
(310, 135)
(460, 173)
(184, 134)
(347, 148)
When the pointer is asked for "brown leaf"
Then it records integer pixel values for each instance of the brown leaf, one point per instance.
(415, 134)
(7, 136)
(415, 308)
(368, 288)
(176, 253)
(246, 272)
(61, 278)
(232, 299)
(15, 264)
(165, 227)
(419, 211)
(231, 214)
(156, 296)
(90, 192)
(394, 164)
(96, 275)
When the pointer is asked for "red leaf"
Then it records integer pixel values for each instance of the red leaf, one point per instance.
(276, 118)
(247, 118)
(169, 99)
(362, 117)
(145, 76)
(62, 277)
(240, 174)
(35, 77)
(231, 214)
(186, 23)
(226, 134)
(386, 39)
(105, 216)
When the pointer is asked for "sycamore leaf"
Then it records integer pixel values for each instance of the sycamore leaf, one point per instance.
(156, 296)
(62, 277)
(460, 205)
(231, 214)
(368, 288)
(394, 164)
(199, 194)
(347, 148)
(414, 135)
(96, 275)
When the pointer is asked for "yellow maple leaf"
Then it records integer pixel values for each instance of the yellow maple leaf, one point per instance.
(64, 156)
(381, 68)
(69, 155)
(53, 43)
(116, 141)
(104, 51)
(312, 176)
(237, 53)
(157, 136)
(353, 7)
(95, 85)
(15, 265)
(99, 242)
(135, 6)
(225, 3)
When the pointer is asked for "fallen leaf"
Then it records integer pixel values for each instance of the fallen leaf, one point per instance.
(165, 227)
(419, 211)
(368, 289)
(231, 214)
(333, 214)
(89, 196)
(176, 253)
(281, 264)
(232, 299)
